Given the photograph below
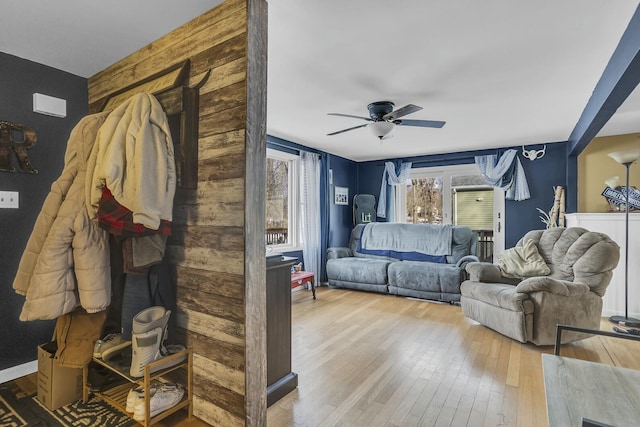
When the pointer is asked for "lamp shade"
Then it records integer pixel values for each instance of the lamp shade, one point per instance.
(612, 182)
(624, 157)
(381, 128)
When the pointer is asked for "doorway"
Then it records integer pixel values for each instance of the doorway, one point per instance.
(455, 195)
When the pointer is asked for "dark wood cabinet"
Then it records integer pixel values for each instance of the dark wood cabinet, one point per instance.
(280, 379)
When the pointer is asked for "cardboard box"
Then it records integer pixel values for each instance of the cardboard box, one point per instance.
(56, 386)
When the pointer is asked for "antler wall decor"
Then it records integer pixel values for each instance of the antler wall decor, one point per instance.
(534, 154)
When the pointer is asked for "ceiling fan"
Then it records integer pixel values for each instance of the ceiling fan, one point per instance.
(383, 119)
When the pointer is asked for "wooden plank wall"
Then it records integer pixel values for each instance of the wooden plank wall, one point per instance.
(221, 298)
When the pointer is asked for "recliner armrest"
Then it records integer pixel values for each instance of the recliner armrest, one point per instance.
(485, 272)
(338, 252)
(552, 286)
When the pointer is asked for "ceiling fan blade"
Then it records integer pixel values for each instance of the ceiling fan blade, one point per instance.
(401, 112)
(421, 123)
(349, 115)
(347, 130)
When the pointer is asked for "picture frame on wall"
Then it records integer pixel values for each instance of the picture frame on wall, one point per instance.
(341, 195)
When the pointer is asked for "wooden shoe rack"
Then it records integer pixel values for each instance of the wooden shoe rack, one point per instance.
(117, 395)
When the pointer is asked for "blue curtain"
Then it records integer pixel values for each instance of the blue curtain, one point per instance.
(311, 205)
(391, 177)
(507, 174)
(324, 215)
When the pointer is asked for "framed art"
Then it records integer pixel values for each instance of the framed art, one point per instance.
(341, 195)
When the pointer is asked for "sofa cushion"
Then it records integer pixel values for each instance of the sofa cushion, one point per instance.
(523, 261)
(498, 295)
(359, 270)
(425, 276)
(462, 241)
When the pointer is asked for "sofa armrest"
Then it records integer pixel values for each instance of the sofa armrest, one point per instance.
(484, 272)
(338, 252)
(462, 262)
(552, 286)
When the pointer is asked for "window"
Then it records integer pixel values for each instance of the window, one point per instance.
(432, 195)
(282, 201)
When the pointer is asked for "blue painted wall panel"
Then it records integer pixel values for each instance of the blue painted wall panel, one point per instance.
(542, 175)
(345, 174)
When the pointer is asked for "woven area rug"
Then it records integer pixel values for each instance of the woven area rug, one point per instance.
(18, 409)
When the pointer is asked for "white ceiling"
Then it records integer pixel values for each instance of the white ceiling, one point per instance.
(499, 72)
(84, 37)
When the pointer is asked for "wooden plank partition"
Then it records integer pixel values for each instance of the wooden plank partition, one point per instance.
(217, 246)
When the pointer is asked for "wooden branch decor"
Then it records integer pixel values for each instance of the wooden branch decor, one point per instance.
(557, 212)
(8, 131)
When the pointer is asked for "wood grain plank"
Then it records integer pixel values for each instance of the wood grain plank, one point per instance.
(224, 97)
(221, 53)
(215, 415)
(205, 258)
(213, 304)
(255, 171)
(210, 326)
(229, 355)
(228, 120)
(220, 375)
(222, 238)
(213, 282)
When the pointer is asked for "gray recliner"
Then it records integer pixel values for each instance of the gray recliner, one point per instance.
(528, 309)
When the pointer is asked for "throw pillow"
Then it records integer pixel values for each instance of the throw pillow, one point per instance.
(523, 261)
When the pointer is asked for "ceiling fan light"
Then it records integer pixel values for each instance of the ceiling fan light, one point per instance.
(381, 129)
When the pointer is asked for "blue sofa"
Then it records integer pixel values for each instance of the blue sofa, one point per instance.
(394, 258)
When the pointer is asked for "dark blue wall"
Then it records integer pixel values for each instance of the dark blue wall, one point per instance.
(542, 175)
(365, 178)
(345, 174)
(19, 80)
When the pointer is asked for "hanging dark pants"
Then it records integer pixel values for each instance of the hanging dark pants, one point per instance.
(146, 290)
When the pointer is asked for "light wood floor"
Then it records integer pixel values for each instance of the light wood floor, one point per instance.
(365, 359)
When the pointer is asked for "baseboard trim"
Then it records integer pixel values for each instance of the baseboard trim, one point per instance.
(14, 372)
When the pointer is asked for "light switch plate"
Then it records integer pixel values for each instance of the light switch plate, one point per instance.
(9, 199)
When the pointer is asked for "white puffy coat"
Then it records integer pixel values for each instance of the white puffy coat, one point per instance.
(66, 260)
(133, 156)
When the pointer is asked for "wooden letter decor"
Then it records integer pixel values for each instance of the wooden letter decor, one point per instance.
(7, 144)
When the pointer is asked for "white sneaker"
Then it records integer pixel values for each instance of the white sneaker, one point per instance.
(166, 396)
(137, 394)
(111, 343)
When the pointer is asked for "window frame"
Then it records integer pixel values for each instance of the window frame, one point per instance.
(446, 172)
(294, 238)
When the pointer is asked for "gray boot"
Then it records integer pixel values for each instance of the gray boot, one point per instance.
(148, 334)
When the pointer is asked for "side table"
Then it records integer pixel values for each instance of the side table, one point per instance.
(303, 277)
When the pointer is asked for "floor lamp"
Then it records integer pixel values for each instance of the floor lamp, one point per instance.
(626, 158)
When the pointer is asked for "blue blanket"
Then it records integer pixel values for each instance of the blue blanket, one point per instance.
(415, 242)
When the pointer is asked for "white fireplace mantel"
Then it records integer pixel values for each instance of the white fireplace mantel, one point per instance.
(613, 225)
